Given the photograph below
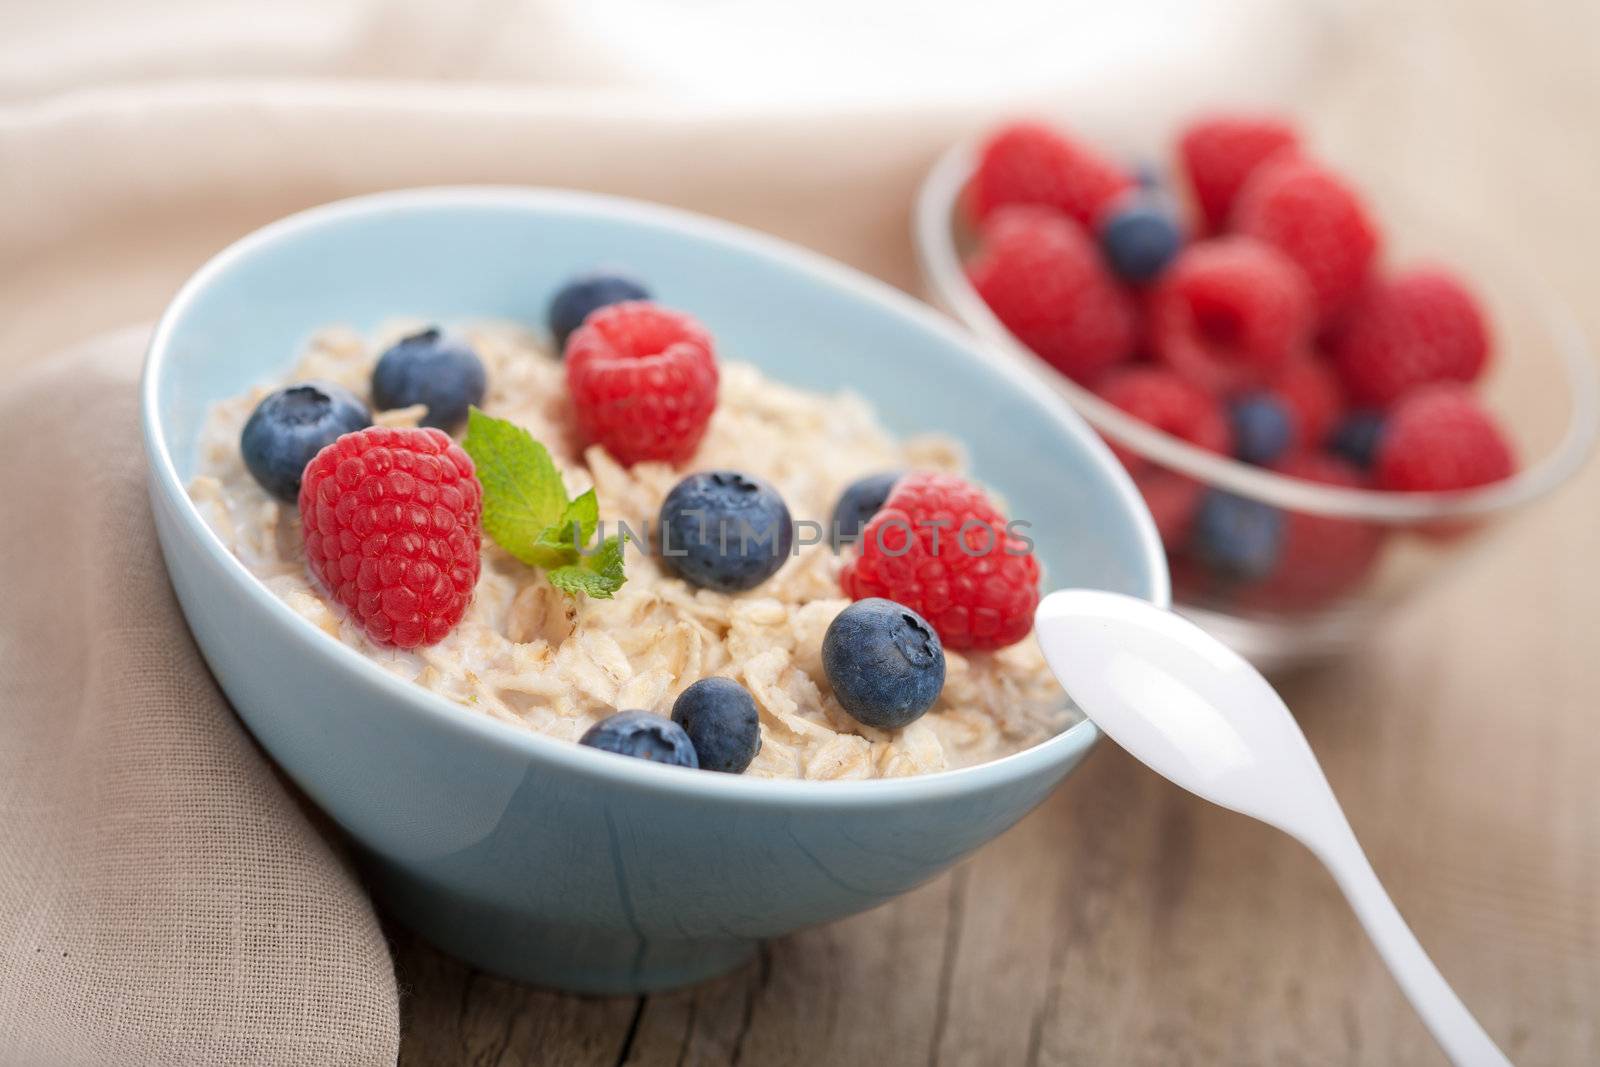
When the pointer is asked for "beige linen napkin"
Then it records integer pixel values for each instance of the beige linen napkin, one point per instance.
(163, 900)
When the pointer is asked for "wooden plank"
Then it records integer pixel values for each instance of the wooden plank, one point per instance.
(452, 1014)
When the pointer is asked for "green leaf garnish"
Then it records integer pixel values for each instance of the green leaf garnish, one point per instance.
(527, 513)
(576, 525)
(598, 575)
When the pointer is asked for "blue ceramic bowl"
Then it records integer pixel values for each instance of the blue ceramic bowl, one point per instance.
(536, 858)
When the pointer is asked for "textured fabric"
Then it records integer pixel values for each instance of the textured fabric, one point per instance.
(164, 898)
(136, 139)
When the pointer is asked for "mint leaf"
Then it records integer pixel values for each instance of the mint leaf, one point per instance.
(599, 575)
(585, 511)
(576, 526)
(522, 491)
(527, 513)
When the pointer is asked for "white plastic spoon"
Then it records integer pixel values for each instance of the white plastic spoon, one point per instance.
(1196, 713)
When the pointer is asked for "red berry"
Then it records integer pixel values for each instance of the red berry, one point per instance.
(1169, 403)
(391, 524)
(1043, 277)
(643, 381)
(1220, 152)
(1195, 582)
(939, 547)
(1439, 439)
(1229, 313)
(1311, 391)
(1420, 327)
(1030, 163)
(1322, 557)
(1173, 500)
(1315, 219)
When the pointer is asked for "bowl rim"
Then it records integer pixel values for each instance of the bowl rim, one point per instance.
(622, 773)
(937, 201)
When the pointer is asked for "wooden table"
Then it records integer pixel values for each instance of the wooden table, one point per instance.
(1125, 922)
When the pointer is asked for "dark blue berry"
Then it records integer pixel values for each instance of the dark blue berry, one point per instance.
(720, 718)
(430, 368)
(1140, 237)
(861, 500)
(577, 298)
(289, 427)
(1148, 176)
(1262, 426)
(1357, 437)
(643, 736)
(1237, 537)
(724, 530)
(884, 661)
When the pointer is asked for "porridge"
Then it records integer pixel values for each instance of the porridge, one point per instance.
(531, 654)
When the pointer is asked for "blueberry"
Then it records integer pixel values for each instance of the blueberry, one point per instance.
(725, 531)
(291, 426)
(860, 501)
(884, 661)
(1237, 537)
(1356, 438)
(643, 736)
(575, 300)
(430, 368)
(1148, 175)
(720, 718)
(1140, 237)
(1262, 426)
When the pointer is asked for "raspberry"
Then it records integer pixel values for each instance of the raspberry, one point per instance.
(1173, 500)
(643, 381)
(1218, 153)
(1042, 276)
(1322, 557)
(1170, 404)
(391, 525)
(941, 548)
(1439, 439)
(1423, 326)
(1311, 391)
(1030, 163)
(1315, 219)
(1229, 313)
(1193, 581)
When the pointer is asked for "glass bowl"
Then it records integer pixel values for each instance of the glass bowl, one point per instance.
(1357, 552)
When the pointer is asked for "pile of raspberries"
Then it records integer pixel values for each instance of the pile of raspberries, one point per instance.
(1243, 307)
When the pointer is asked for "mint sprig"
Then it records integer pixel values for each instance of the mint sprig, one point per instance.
(526, 510)
(597, 575)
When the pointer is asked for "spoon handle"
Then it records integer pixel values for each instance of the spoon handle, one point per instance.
(1452, 1025)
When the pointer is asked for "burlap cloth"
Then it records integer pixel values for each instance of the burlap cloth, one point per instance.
(164, 897)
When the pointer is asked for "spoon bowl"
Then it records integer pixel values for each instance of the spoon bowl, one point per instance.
(1185, 705)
